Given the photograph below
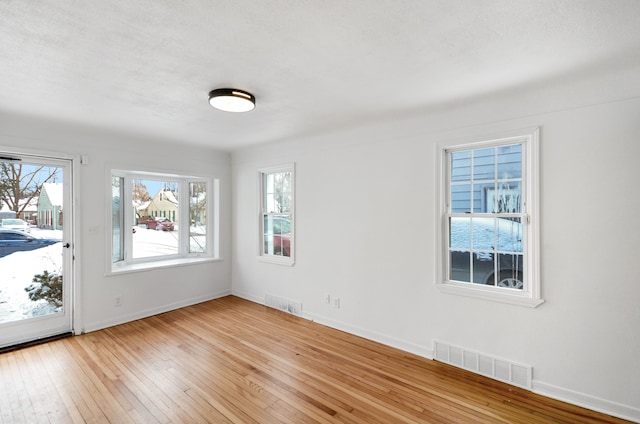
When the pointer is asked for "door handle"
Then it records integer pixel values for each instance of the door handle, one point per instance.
(67, 245)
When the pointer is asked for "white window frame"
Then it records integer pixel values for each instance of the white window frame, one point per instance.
(530, 295)
(276, 259)
(183, 257)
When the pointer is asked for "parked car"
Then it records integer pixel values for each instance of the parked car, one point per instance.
(160, 223)
(17, 241)
(280, 233)
(496, 248)
(15, 224)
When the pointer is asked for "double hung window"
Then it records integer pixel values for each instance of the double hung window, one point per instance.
(276, 220)
(489, 220)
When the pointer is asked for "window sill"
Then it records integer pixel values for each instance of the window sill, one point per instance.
(480, 292)
(169, 263)
(278, 260)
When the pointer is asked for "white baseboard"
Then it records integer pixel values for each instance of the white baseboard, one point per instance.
(371, 335)
(122, 319)
(587, 401)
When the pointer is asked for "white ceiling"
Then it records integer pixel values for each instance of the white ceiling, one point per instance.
(146, 66)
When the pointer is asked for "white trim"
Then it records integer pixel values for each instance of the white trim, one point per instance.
(123, 319)
(530, 296)
(594, 403)
(479, 292)
(168, 263)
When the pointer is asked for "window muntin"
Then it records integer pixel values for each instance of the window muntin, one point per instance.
(163, 223)
(276, 214)
(489, 241)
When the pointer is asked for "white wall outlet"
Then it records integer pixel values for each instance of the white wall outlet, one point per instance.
(327, 299)
(117, 301)
(336, 302)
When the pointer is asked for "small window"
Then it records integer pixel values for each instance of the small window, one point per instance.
(276, 241)
(488, 236)
(159, 218)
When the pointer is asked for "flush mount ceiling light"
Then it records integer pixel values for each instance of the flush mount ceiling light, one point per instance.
(232, 100)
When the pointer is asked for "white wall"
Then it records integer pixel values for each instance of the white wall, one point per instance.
(366, 219)
(143, 293)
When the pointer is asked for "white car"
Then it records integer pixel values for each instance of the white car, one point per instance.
(15, 224)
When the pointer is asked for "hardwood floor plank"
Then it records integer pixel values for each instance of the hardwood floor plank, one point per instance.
(233, 361)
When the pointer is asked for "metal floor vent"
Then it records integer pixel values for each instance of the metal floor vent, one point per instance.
(283, 304)
(499, 369)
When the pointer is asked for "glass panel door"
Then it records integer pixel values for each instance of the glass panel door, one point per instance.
(35, 248)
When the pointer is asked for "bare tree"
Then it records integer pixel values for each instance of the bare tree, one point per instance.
(140, 193)
(197, 202)
(282, 195)
(20, 184)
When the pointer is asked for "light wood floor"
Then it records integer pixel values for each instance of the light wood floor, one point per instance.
(230, 360)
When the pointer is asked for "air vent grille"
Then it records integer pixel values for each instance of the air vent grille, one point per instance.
(286, 305)
(479, 363)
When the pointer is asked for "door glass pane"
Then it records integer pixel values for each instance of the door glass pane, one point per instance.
(31, 233)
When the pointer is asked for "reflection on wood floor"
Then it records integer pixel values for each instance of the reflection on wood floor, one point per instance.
(230, 360)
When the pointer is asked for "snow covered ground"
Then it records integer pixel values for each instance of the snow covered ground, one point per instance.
(16, 273)
(18, 269)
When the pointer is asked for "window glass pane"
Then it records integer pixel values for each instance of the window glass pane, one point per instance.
(460, 266)
(508, 198)
(277, 235)
(510, 162)
(483, 234)
(278, 192)
(156, 210)
(483, 268)
(484, 164)
(198, 217)
(483, 200)
(461, 196)
(509, 235)
(117, 239)
(510, 271)
(461, 166)
(460, 233)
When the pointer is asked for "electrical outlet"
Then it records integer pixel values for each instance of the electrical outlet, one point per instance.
(117, 301)
(327, 299)
(336, 302)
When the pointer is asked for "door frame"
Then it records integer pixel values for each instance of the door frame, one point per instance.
(70, 221)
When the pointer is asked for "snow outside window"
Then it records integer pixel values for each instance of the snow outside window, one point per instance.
(158, 218)
(276, 218)
(488, 211)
